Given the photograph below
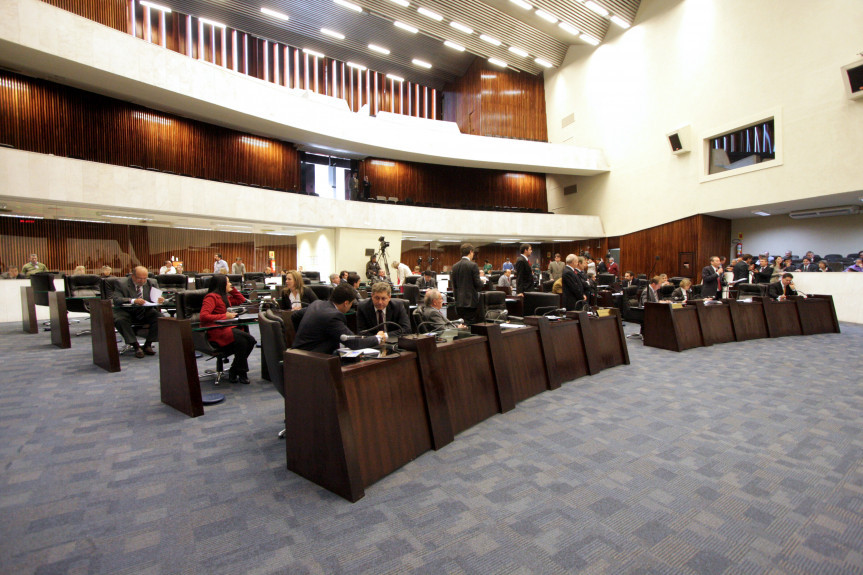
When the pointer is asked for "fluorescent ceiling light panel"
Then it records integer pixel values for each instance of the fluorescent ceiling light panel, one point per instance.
(620, 22)
(234, 226)
(546, 16)
(497, 62)
(22, 216)
(126, 217)
(190, 228)
(461, 27)
(82, 220)
(403, 3)
(275, 14)
(154, 6)
(591, 5)
(421, 63)
(383, 163)
(311, 52)
(254, 142)
(348, 5)
(379, 49)
(760, 213)
(453, 45)
(590, 40)
(332, 33)
(429, 14)
(544, 63)
(518, 51)
(396, 78)
(211, 23)
(404, 26)
(356, 66)
(522, 4)
(567, 27)
(450, 241)
(490, 40)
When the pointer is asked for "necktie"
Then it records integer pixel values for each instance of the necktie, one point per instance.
(140, 292)
(380, 317)
(718, 282)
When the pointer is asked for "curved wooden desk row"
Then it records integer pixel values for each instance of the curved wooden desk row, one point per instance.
(347, 427)
(698, 325)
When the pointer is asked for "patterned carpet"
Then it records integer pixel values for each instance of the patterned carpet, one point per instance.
(739, 458)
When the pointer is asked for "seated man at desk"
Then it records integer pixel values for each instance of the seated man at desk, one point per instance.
(12, 274)
(322, 324)
(429, 313)
(427, 281)
(134, 291)
(106, 272)
(651, 292)
(378, 311)
(34, 266)
(783, 288)
(505, 280)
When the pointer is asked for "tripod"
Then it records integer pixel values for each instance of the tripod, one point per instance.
(382, 259)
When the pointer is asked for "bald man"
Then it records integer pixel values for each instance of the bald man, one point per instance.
(133, 293)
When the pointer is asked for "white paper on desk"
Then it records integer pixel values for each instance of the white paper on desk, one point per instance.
(367, 351)
(148, 304)
(511, 325)
(155, 294)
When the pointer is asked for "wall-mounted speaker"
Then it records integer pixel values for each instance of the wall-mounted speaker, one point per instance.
(852, 77)
(680, 140)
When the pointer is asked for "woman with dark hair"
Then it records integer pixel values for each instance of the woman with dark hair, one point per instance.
(230, 340)
(296, 295)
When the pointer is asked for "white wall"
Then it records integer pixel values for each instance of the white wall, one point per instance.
(708, 63)
(351, 244)
(316, 252)
(776, 234)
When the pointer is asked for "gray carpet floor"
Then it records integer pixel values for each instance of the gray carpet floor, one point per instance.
(739, 458)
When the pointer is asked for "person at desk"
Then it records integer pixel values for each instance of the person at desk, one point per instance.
(487, 267)
(427, 281)
(429, 313)
(372, 268)
(823, 267)
(106, 272)
(353, 280)
(379, 310)
(168, 268)
(466, 284)
(343, 277)
(507, 265)
(713, 278)
(555, 268)
(219, 264)
(322, 324)
(230, 340)
(34, 266)
(783, 288)
(295, 294)
(79, 271)
(238, 267)
(383, 277)
(135, 290)
(178, 269)
(651, 292)
(683, 292)
(628, 280)
(335, 279)
(12, 274)
(523, 273)
(573, 288)
(505, 279)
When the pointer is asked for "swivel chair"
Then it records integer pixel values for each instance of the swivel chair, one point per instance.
(235, 279)
(312, 275)
(534, 300)
(322, 291)
(202, 282)
(411, 293)
(492, 306)
(632, 315)
(665, 292)
(274, 346)
(547, 286)
(746, 290)
(172, 282)
(81, 286)
(189, 307)
(605, 279)
(412, 279)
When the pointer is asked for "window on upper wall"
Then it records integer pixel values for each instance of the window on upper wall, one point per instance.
(750, 146)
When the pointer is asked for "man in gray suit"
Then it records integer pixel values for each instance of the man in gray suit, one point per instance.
(466, 285)
(134, 292)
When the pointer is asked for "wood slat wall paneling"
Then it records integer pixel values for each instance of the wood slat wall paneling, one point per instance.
(112, 13)
(63, 245)
(449, 254)
(488, 101)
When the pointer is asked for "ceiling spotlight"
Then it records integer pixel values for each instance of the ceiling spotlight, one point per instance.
(378, 49)
(546, 16)
(349, 5)
(518, 51)
(567, 27)
(429, 14)
(272, 13)
(332, 33)
(490, 40)
(591, 5)
(311, 52)
(453, 45)
(421, 63)
(462, 27)
(522, 4)
(497, 62)
(544, 63)
(620, 22)
(590, 40)
(404, 26)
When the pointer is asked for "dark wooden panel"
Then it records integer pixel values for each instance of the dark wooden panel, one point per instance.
(59, 320)
(604, 340)
(105, 353)
(675, 329)
(178, 371)
(782, 317)
(113, 13)
(715, 321)
(568, 350)
(748, 319)
(29, 324)
(817, 314)
(525, 362)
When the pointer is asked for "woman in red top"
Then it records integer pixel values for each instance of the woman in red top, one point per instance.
(230, 340)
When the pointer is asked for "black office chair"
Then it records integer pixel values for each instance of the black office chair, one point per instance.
(235, 279)
(255, 277)
(202, 282)
(412, 279)
(323, 291)
(632, 315)
(313, 276)
(407, 306)
(696, 291)
(746, 290)
(411, 292)
(665, 292)
(534, 300)
(506, 290)
(547, 285)
(189, 307)
(492, 306)
(676, 281)
(274, 345)
(85, 285)
(172, 282)
(605, 279)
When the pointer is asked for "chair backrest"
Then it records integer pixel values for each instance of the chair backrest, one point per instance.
(235, 278)
(172, 282)
(696, 291)
(255, 276)
(405, 303)
(411, 293)
(749, 290)
(323, 291)
(86, 285)
(202, 282)
(665, 291)
(490, 301)
(273, 346)
(189, 304)
(605, 279)
(312, 275)
(412, 279)
(42, 283)
(547, 285)
(676, 281)
(535, 299)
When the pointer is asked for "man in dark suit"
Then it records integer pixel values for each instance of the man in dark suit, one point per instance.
(379, 313)
(322, 324)
(134, 292)
(426, 281)
(628, 280)
(807, 266)
(523, 274)
(573, 291)
(763, 271)
(712, 280)
(741, 268)
(466, 285)
(651, 292)
(783, 288)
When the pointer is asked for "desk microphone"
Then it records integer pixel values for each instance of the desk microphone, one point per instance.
(376, 328)
(558, 311)
(346, 337)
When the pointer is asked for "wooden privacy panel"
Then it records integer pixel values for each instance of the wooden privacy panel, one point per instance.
(42, 117)
(453, 186)
(113, 13)
(63, 245)
(489, 101)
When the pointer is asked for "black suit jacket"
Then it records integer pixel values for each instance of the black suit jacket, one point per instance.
(307, 298)
(321, 326)
(763, 275)
(678, 293)
(776, 289)
(708, 281)
(809, 268)
(741, 271)
(395, 312)
(573, 291)
(648, 295)
(465, 283)
(524, 275)
(125, 290)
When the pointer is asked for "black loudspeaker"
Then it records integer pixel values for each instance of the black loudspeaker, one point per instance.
(852, 77)
(679, 140)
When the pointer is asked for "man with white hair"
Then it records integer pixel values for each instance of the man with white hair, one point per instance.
(402, 271)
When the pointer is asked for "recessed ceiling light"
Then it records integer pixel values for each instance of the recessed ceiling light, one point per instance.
(356, 66)
(544, 63)
(403, 3)
(591, 5)
(332, 33)
(421, 63)
(379, 49)
(522, 4)
(429, 14)
(164, 9)
(311, 52)
(490, 40)
(349, 5)
(497, 62)
(567, 27)
(453, 45)
(254, 142)
(272, 13)
(546, 16)
(590, 40)
(211, 23)
(236, 231)
(234, 226)
(760, 213)
(396, 78)
(518, 51)
(383, 163)
(462, 27)
(620, 22)
(404, 26)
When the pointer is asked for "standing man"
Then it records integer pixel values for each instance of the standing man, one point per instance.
(219, 264)
(612, 267)
(134, 291)
(379, 310)
(466, 285)
(372, 268)
(712, 280)
(34, 266)
(741, 268)
(238, 267)
(556, 267)
(355, 186)
(402, 271)
(523, 273)
(367, 188)
(573, 291)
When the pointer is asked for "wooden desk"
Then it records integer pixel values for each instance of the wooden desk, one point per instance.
(563, 344)
(59, 320)
(748, 319)
(675, 329)
(817, 314)
(518, 360)
(105, 353)
(715, 322)
(604, 340)
(781, 317)
(29, 323)
(179, 383)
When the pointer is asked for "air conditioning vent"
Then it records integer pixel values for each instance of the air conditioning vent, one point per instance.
(825, 212)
